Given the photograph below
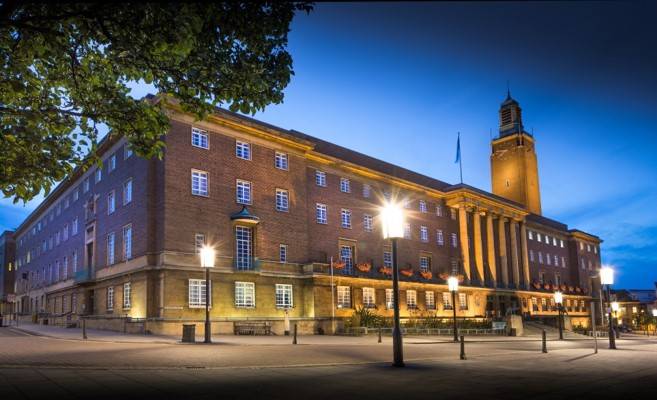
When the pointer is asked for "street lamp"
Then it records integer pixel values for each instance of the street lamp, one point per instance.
(558, 298)
(392, 220)
(453, 284)
(207, 262)
(607, 279)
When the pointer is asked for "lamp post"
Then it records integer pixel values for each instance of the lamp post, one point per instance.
(207, 262)
(614, 308)
(607, 279)
(392, 220)
(453, 284)
(654, 319)
(558, 298)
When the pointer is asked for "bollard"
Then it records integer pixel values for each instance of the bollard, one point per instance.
(544, 350)
(294, 341)
(462, 347)
(379, 334)
(84, 328)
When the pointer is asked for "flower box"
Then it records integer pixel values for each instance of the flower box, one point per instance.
(385, 270)
(364, 267)
(406, 272)
(339, 265)
(426, 274)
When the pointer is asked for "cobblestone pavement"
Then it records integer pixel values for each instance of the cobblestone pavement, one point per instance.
(35, 367)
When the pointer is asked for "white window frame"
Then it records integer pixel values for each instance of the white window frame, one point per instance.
(455, 240)
(111, 166)
(411, 299)
(429, 300)
(321, 213)
(440, 238)
(202, 185)
(127, 242)
(343, 296)
(243, 192)
(387, 259)
(463, 301)
(127, 151)
(284, 296)
(282, 200)
(390, 296)
(245, 295)
(127, 295)
(196, 295)
(98, 175)
(282, 253)
(345, 185)
(369, 297)
(110, 298)
(423, 206)
(345, 218)
(367, 190)
(111, 248)
(281, 161)
(320, 178)
(200, 138)
(424, 234)
(127, 192)
(407, 230)
(368, 223)
(111, 202)
(199, 242)
(425, 263)
(243, 150)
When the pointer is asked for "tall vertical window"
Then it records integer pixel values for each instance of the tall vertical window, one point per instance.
(199, 242)
(280, 161)
(454, 240)
(347, 257)
(243, 150)
(390, 299)
(320, 178)
(411, 299)
(345, 185)
(74, 226)
(447, 301)
(110, 298)
(554, 241)
(243, 242)
(547, 239)
(199, 138)
(127, 191)
(85, 186)
(540, 257)
(425, 264)
(243, 192)
(563, 262)
(282, 253)
(368, 223)
(98, 175)
(284, 297)
(111, 202)
(407, 231)
(199, 183)
(531, 255)
(530, 235)
(74, 261)
(367, 190)
(423, 206)
(345, 218)
(439, 210)
(321, 213)
(452, 213)
(65, 232)
(344, 297)
(76, 194)
(440, 239)
(64, 267)
(387, 259)
(282, 200)
(127, 242)
(424, 234)
(245, 294)
(110, 248)
(556, 260)
(369, 297)
(111, 166)
(463, 301)
(127, 151)
(197, 295)
(127, 295)
(429, 300)
(539, 237)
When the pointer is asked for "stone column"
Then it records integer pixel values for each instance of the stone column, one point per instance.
(504, 263)
(478, 248)
(490, 246)
(525, 257)
(465, 242)
(514, 254)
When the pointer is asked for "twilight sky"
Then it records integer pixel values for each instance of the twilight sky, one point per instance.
(397, 81)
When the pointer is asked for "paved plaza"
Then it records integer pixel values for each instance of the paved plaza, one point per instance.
(46, 362)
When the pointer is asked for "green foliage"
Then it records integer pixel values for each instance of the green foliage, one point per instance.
(65, 69)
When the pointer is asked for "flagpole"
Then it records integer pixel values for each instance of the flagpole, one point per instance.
(332, 300)
(460, 158)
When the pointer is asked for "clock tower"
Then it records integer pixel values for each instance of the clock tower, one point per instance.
(514, 167)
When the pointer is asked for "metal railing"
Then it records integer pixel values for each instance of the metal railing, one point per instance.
(246, 263)
(83, 276)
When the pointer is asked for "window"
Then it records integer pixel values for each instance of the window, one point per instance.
(454, 240)
(76, 194)
(74, 227)
(547, 239)
(425, 264)
(556, 261)
(65, 233)
(367, 189)
(581, 246)
(368, 223)
(282, 200)
(320, 213)
(197, 296)
(110, 298)
(588, 248)
(387, 195)
(411, 299)
(111, 202)
(282, 253)
(447, 301)
(199, 138)
(199, 183)
(64, 267)
(127, 295)
(280, 160)
(111, 166)
(538, 237)
(407, 231)
(127, 191)
(463, 301)
(407, 203)
(66, 204)
(390, 299)
(439, 210)
(283, 296)
(345, 185)
(245, 294)
(557, 279)
(429, 300)
(243, 251)
(554, 241)
(548, 259)
(127, 151)
(453, 213)
(85, 186)
(561, 243)
(387, 259)
(540, 257)
(199, 242)
(531, 255)
(345, 218)
(344, 297)
(423, 206)
(99, 175)
(347, 257)
(127, 242)
(530, 235)
(534, 304)
(583, 263)
(369, 297)
(440, 239)
(243, 192)
(75, 261)
(110, 248)
(563, 262)
(541, 277)
(424, 234)
(320, 178)
(595, 249)
(243, 150)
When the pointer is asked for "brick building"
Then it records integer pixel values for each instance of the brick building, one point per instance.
(7, 271)
(120, 244)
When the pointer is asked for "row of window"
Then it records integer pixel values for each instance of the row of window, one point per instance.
(570, 305)
(126, 250)
(344, 299)
(244, 294)
(549, 260)
(127, 197)
(127, 297)
(54, 272)
(544, 237)
(588, 247)
(53, 241)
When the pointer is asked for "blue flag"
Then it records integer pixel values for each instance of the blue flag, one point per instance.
(458, 149)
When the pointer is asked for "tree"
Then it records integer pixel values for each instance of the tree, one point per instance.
(64, 71)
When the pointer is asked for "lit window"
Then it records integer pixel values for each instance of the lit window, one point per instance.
(531, 255)
(538, 237)
(463, 301)
(110, 298)
(85, 185)
(423, 206)
(547, 239)
(369, 297)
(387, 259)
(429, 300)
(344, 297)
(199, 183)
(345, 185)
(454, 240)
(243, 192)
(199, 242)
(548, 259)
(563, 262)
(588, 248)
(407, 231)
(367, 189)
(540, 257)
(282, 200)
(345, 218)
(390, 299)
(595, 249)
(424, 234)
(554, 241)
(200, 138)
(111, 202)
(425, 264)
(440, 239)
(347, 257)
(581, 246)
(74, 227)
(439, 210)
(245, 294)
(453, 213)
(197, 295)
(127, 151)
(284, 296)
(244, 249)
(411, 299)
(282, 253)
(280, 160)
(447, 301)
(243, 150)
(561, 243)
(111, 166)
(556, 261)
(530, 235)
(127, 295)
(321, 213)
(320, 178)
(127, 191)
(127, 242)
(110, 248)
(368, 223)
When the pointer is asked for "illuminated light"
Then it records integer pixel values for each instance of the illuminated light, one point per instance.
(392, 221)
(453, 283)
(207, 257)
(615, 306)
(558, 297)
(606, 275)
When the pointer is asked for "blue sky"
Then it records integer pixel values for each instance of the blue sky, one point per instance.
(397, 81)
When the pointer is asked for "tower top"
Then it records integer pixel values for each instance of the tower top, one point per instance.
(510, 117)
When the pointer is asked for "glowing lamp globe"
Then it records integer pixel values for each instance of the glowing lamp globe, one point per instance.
(207, 257)
(392, 221)
(558, 297)
(453, 283)
(606, 276)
